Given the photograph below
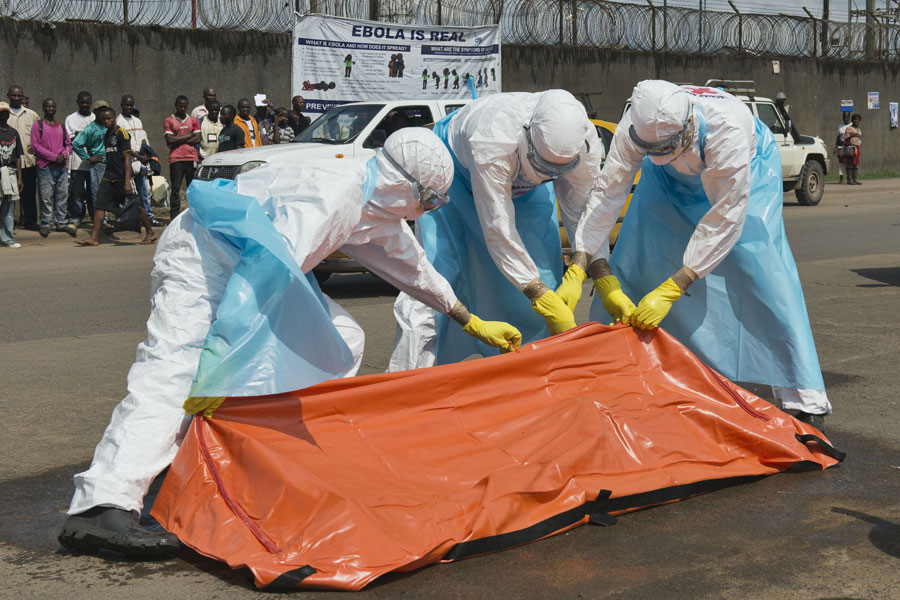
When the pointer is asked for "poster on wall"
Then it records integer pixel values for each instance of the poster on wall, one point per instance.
(846, 105)
(337, 60)
(893, 109)
(874, 101)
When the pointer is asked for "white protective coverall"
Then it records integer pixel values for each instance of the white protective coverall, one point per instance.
(488, 141)
(715, 208)
(317, 207)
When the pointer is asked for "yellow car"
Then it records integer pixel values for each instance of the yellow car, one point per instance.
(605, 131)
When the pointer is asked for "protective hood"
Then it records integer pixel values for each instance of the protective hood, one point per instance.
(424, 157)
(659, 110)
(559, 127)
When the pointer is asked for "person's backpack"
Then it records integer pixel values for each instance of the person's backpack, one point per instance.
(65, 136)
(155, 167)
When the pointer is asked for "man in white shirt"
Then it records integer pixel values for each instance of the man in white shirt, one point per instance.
(21, 118)
(79, 170)
(209, 96)
(135, 129)
(210, 128)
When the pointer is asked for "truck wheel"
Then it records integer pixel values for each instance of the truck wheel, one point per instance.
(321, 276)
(812, 180)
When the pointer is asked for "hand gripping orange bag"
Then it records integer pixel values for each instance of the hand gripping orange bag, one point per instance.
(335, 485)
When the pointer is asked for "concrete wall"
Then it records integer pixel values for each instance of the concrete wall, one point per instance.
(156, 64)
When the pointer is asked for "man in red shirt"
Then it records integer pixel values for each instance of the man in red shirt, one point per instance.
(182, 133)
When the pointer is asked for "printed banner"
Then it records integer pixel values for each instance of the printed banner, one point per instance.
(893, 109)
(337, 60)
(873, 100)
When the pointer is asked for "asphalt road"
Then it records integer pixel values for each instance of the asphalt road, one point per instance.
(73, 316)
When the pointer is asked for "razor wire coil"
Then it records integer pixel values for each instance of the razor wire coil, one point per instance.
(565, 23)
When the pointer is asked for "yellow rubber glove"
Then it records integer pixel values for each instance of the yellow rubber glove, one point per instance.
(570, 288)
(617, 304)
(654, 307)
(205, 404)
(559, 317)
(495, 333)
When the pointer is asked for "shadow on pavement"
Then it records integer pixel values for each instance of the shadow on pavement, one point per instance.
(884, 535)
(888, 276)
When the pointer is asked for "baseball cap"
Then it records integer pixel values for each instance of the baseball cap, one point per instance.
(4, 106)
(99, 104)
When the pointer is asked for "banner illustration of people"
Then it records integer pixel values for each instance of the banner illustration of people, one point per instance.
(362, 49)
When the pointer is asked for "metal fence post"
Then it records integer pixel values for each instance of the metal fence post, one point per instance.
(574, 22)
(562, 22)
(815, 29)
(665, 25)
(700, 31)
(652, 26)
(740, 26)
(439, 12)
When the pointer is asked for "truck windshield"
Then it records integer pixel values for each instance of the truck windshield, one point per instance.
(340, 125)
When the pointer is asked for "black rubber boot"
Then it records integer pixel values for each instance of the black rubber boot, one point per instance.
(817, 421)
(116, 530)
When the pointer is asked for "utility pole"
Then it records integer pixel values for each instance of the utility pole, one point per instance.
(700, 45)
(870, 33)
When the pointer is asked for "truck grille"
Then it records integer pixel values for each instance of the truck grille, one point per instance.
(217, 172)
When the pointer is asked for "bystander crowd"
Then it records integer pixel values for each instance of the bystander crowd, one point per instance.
(89, 147)
(22, 118)
(117, 179)
(10, 176)
(297, 121)
(277, 130)
(51, 149)
(81, 198)
(134, 127)
(210, 127)
(232, 135)
(248, 124)
(853, 142)
(839, 144)
(209, 96)
(182, 133)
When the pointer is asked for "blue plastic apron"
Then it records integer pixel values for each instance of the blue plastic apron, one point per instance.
(273, 332)
(747, 319)
(454, 243)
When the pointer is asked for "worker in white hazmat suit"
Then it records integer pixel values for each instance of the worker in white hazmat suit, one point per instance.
(706, 215)
(235, 311)
(498, 241)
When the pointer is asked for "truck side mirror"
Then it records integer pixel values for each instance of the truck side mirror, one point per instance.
(377, 139)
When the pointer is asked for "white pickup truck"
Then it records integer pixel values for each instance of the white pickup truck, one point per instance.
(347, 131)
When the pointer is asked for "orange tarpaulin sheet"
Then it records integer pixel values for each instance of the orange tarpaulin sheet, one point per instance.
(337, 484)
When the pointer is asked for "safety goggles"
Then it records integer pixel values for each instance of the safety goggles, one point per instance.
(429, 198)
(670, 144)
(544, 168)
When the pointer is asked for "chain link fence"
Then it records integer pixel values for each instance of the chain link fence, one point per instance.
(649, 27)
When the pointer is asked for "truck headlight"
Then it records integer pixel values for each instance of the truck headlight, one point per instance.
(249, 166)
